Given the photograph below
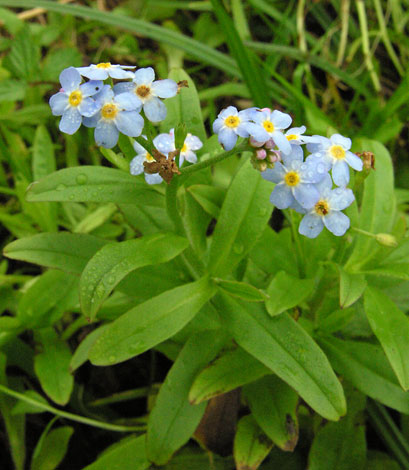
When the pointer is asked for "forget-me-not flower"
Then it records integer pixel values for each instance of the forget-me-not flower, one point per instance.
(149, 92)
(165, 143)
(230, 124)
(270, 125)
(136, 166)
(104, 70)
(327, 211)
(335, 153)
(117, 114)
(295, 180)
(74, 100)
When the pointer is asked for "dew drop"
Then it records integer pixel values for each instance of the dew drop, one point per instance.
(112, 359)
(82, 179)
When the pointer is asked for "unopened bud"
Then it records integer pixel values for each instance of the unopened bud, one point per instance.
(386, 239)
(261, 154)
(269, 144)
(254, 143)
(273, 157)
(262, 166)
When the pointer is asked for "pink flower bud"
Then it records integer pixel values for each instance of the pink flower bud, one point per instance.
(261, 154)
(254, 143)
(269, 144)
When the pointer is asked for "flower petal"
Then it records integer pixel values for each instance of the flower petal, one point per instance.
(129, 123)
(58, 103)
(91, 88)
(106, 134)
(354, 161)
(165, 88)
(124, 87)
(217, 125)
(340, 198)
(88, 107)
(306, 195)
(154, 109)
(296, 155)
(228, 138)
(144, 76)
(165, 143)
(153, 179)
(281, 196)
(93, 73)
(276, 174)
(70, 79)
(311, 226)
(340, 173)
(257, 132)
(338, 139)
(193, 142)
(91, 121)
(337, 223)
(118, 73)
(241, 130)
(136, 165)
(281, 141)
(190, 156)
(229, 111)
(128, 102)
(281, 120)
(70, 121)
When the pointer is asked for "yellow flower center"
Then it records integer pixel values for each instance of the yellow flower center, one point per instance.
(268, 126)
(109, 111)
(143, 91)
(232, 122)
(292, 178)
(184, 149)
(292, 137)
(104, 65)
(149, 158)
(337, 152)
(321, 207)
(75, 98)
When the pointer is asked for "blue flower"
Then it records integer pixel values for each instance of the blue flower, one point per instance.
(334, 152)
(117, 114)
(270, 125)
(165, 143)
(327, 211)
(148, 92)
(104, 70)
(136, 166)
(73, 101)
(295, 180)
(230, 124)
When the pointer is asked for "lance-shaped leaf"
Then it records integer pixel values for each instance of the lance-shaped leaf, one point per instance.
(51, 448)
(209, 197)
(173, 419)
(150, 323)
(69, 252)
(229, 371)
(242, 290)
(391, 327)
(366, 367)
(242, 219)
(351, 287)
(273, 404)
(286, 291)
(89, 183)
(114, 261)
(286, 348)
(251, 445)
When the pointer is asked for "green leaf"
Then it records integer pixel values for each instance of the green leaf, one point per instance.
(24, 55)
(51, 449)
(394, 271)
(286, 291)
(58, 60)
(115, 260)
(251, 445)
(12, 90)
(391, 327)
(242, 290)
(43, 153)
(45, 301)
(336, 320)
(274, 404)
(366, 367)
(242, 220)
(184, 108)
(22, 407)
(285, 348)
(209, 197)
(351, 287)
(377, 213)
(173, 419)
(52, 366)
(89, 184)
(127, 454)
(81, 354)
(150, 323)
(229, 371)
(69, 252)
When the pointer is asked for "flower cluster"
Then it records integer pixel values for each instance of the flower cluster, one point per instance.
(110, 110)
(303, 184)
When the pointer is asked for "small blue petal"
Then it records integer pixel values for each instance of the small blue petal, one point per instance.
(91, 88)
(144, 76)
(106, 134)
(88, 107)
(340, 173)
(311, 226)
(340, 198)
(296, 155)
(165, 88)
(217, 125)
(276, 174)
(124, 87)
(129, 123)
(306, 195)
(119, 74)
(229, 111)
(128, 102)
(228, 138)
(337, 223)
(154, 109)
(257, 132)
(91, 121)
(58, 103)
(136, 165)
(70, 79)
(153, 179)
(344, 142)
(354, 161)
(281, 141)
(70, 121)
(165, 143)
(281, 196)
(280, 120)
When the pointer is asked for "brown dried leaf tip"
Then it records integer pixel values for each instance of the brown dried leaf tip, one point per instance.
(368, 159)
(166, 167)
(182, 84)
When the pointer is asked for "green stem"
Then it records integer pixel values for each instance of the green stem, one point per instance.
(115, 159)
(345, 4)
(296, 238)
(122, 396)
(244, 147)
(71, 416)
(171, 206)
